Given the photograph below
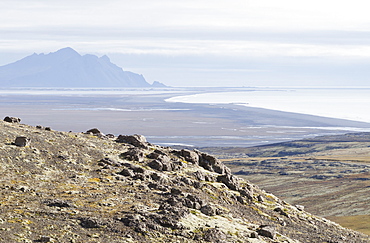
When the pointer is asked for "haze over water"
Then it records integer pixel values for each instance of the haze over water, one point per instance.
(336, 102)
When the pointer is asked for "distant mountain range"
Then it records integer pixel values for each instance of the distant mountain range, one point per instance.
(67, 68)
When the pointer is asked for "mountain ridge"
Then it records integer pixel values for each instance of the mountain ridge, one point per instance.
(67, 68)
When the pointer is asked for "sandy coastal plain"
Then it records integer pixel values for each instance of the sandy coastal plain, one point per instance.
(146, 112)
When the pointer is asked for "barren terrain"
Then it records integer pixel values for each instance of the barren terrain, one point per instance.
(90, 187)
(329, 175)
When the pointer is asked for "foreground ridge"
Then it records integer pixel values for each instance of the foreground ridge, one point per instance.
(90, 187)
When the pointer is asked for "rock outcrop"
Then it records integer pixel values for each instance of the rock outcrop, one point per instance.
(80, 187)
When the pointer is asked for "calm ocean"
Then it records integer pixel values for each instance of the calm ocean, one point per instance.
(350, 103)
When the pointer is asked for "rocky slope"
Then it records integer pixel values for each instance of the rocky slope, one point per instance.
(330, 175)
(90, 187)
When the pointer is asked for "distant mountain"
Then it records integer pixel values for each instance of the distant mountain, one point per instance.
(67, 68)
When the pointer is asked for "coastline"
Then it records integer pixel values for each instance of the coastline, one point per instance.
(340, 103)
(164, 123)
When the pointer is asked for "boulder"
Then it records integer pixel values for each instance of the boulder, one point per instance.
(91, 222)
(58, 203)
(12, 119)
(94, 131)
(127, 172)
(267, 231)
(190, 156)
(156, 165)
(230, 181)
(214, 235)
(135, 221)
(209, 210)
(22, 141)
(133, 154)
(159, 156)
(136, 140)
(246, 193)
(212, 164)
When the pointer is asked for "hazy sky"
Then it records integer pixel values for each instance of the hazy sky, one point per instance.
(201, 42)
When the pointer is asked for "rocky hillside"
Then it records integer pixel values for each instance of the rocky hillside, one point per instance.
(90, 187)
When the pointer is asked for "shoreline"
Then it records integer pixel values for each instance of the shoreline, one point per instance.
(200, 125)
(338, 103)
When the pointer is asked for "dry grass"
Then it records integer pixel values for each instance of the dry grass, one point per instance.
(359, 223)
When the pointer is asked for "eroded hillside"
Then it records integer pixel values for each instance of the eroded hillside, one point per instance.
(330, 175)
(90, 187)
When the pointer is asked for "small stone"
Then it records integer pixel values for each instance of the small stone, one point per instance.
(240, 199)
(175, 191)
(58, 203)
(46, 239)
(300, 207)
(254, 235)
(246, 193)
(281, 211)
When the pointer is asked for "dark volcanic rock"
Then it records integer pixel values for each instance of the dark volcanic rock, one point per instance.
(210, 210)
(190, 156)
(91, 222)
(95, 132)
(58, 203)
(267, 231)
(22, 141)
(136, 140)
(214, 235)
(134, 154)
(155, 164)
(12, 119)
(230, 181)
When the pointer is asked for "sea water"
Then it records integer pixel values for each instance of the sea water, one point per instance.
(351, 103)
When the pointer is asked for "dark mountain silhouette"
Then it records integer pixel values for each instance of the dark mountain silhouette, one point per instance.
(67, 68)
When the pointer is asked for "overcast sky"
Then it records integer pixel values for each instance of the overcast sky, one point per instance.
(201, 42)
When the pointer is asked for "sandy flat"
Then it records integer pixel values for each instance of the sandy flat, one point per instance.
(166, 123)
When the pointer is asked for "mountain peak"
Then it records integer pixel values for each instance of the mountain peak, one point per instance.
(67, 51)
(67, 68)
(105, 58)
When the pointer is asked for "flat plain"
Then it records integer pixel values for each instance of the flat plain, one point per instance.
(146, 112)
